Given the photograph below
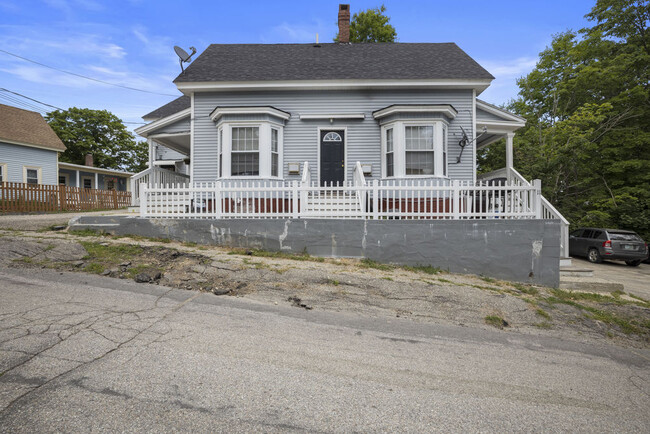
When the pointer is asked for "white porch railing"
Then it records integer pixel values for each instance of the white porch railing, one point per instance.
(386, 199)
(548, 211)
(155, 176)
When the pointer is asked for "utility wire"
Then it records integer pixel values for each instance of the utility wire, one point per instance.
(36, 108)
(83, 76)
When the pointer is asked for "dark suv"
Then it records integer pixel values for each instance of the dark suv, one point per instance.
(598, 244)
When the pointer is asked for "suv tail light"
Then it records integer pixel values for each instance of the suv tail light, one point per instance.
(607, 244)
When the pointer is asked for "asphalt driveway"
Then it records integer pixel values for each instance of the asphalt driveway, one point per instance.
(636, 280)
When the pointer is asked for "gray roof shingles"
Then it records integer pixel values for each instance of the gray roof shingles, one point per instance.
(270, 62)
(181, 103)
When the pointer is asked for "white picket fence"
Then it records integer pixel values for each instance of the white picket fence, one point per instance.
(155, 176)
(385, 199)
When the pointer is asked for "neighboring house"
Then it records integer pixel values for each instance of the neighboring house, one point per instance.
(29, 148)
(257, 118)
(88, 176)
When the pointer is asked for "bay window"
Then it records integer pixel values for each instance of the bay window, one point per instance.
(249, 141)
(414, 148)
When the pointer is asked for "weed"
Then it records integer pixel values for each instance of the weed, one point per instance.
(85, 232)
(487, 279)
(544, 325)
(617, 293)
(525, 288)
(496, 321)
(25, 260)
(304, 256)
(189, 244)
(390, 279)
(543, 313)
(333, 282)
(49, 247)
(428, 269)
(440, 279)
(94, 267)
(369, 263)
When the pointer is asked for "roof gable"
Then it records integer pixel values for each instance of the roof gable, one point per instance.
(371, 61)
(25, 127)
(181, 103)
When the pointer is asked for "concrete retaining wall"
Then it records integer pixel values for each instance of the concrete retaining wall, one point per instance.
(518, 250)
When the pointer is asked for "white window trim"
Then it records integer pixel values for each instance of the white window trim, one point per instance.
(39, 171)
(264, 148)
(92, 181)
(67, 178)
(399, 148)
(5, 175)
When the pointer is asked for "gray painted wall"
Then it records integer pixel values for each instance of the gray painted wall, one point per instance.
(519, 250)
(301, 136)
(162, 152)
(16, 156)
(177, 127)
(483, 115)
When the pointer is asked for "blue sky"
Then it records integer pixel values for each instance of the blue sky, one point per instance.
(130, 42)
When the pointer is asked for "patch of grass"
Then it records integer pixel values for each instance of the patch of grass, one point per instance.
(525, 288)
(487, 288)
(49, 247)
(112, 253)
(333, 282)
(85, 232)
(543, 313)
(369, 263)
(94, 267)
(617, 293)
(544, 325)
(440, 279)
(189, 244)
(487, 279)
(645, 302)
(427, 269)
(390, 279)
(25, 260)
(495, 321)
(596, 298)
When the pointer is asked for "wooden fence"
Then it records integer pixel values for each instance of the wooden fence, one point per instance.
(20, 197)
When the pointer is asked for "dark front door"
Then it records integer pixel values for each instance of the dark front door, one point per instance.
(332, 157)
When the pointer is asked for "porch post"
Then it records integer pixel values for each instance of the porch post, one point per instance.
(78, 185)
(509, 139)
(96, 181)
(151, 152)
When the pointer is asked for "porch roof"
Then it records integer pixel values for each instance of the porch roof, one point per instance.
(494, 123)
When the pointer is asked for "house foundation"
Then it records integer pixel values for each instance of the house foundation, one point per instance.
(524, 250)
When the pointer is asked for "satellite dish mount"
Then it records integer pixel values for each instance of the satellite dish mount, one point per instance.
(183, 57)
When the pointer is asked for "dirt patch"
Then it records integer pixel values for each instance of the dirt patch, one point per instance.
(417, 293)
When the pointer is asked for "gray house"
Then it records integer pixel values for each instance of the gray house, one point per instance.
(337, 130)
(29, 148)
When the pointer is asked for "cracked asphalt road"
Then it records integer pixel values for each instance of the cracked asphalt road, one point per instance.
(85, 353)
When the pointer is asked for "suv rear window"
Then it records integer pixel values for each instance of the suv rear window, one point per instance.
(619, 236)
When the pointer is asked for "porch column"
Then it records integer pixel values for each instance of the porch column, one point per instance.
(96, 181)
(509, 139)
(151, 152)
(78, 179)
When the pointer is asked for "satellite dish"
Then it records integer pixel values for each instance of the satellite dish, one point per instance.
(183, 56)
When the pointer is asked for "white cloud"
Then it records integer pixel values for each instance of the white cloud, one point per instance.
(510, 68)
(287, 32)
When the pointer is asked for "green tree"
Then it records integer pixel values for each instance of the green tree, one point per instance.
(587, 106)
(100, 133)
(371, 25)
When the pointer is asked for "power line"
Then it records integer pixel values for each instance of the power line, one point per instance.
(32, 99)
(36, 108)
(83, 76)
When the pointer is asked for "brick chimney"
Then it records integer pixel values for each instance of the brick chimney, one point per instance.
(344, 24)
(89, 160)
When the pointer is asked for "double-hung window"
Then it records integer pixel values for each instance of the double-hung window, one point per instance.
(31, 175)
(419, 150)
(245, 155)
(390, 154)
(275, 157)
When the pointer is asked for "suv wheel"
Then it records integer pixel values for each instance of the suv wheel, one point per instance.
(593, 255)
(633, 263)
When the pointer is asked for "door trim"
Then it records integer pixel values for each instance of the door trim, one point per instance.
(345, 149)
